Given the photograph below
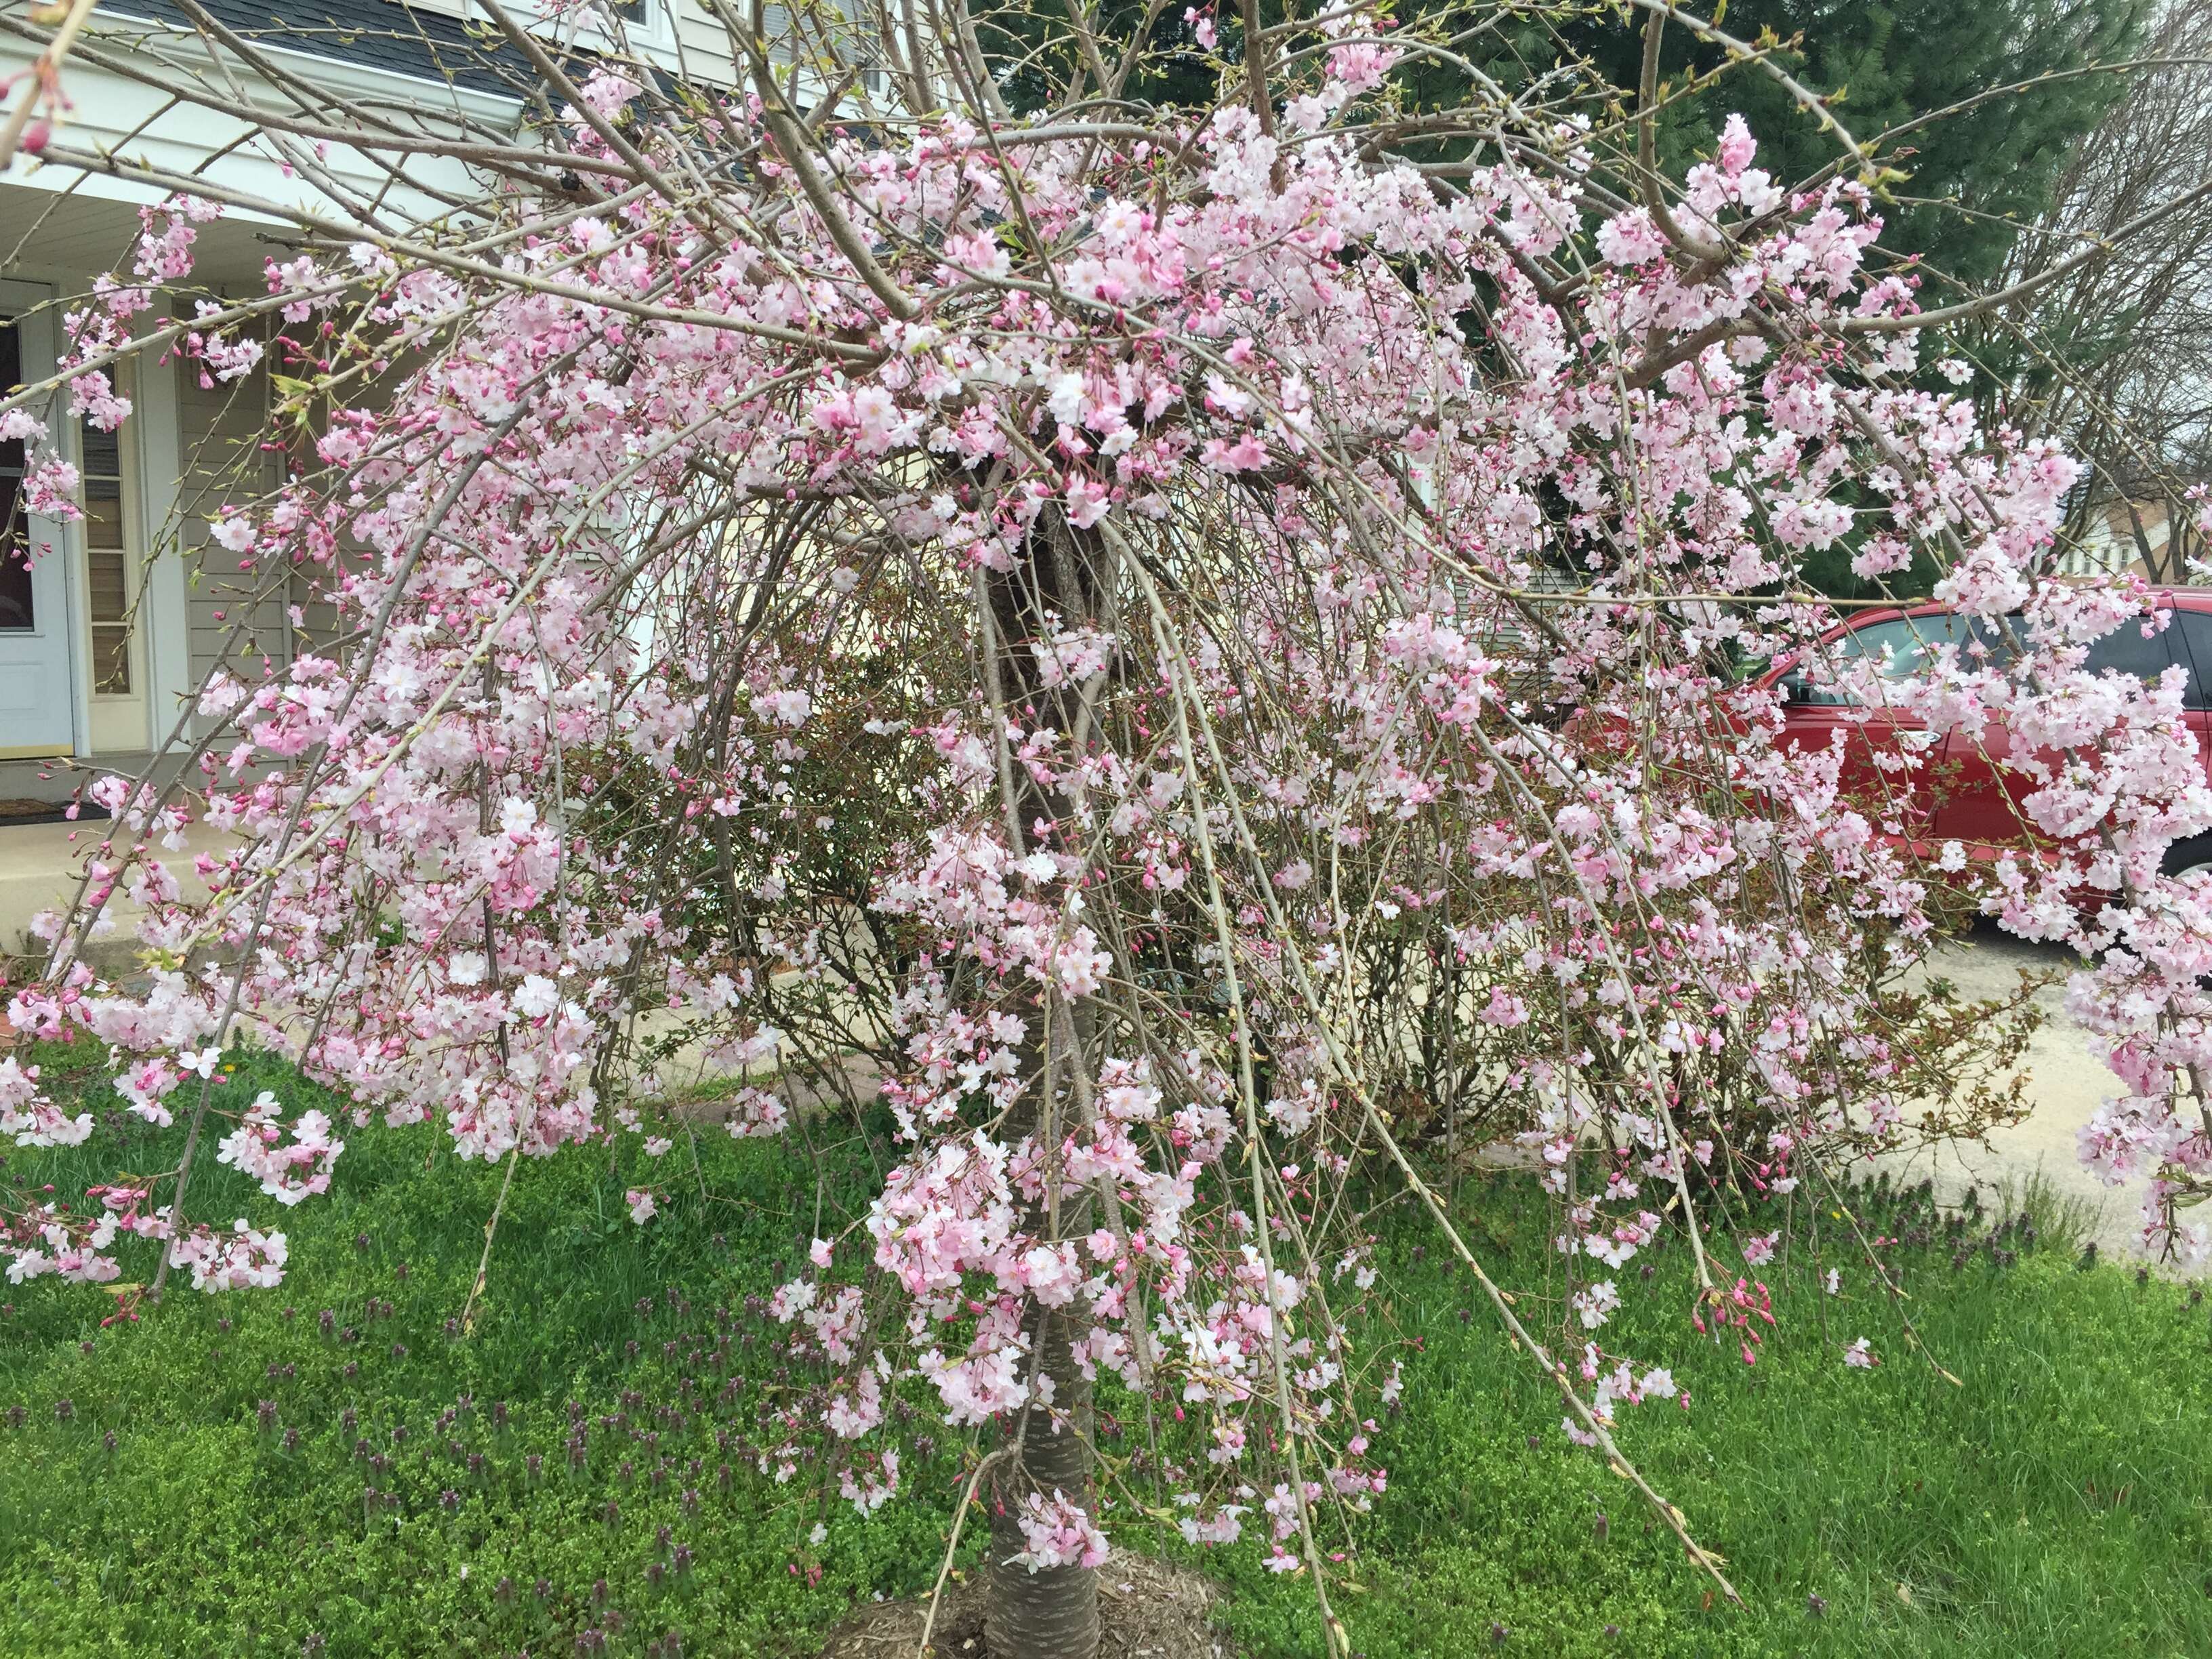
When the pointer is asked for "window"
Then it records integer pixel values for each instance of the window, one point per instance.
(1901, 645)
(17, 613)
(2191, 634)
(107, 563)
(646, 21)
(1905, 644)
(2126, 649)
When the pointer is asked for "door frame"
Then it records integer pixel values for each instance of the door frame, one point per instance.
(19, 301)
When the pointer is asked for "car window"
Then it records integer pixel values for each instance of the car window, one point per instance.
(1997, 639)
(2126, 650)
(1903, 645)
(2191, 637)
(1906, 645)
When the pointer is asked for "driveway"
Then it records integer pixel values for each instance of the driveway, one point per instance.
(2068, 1084)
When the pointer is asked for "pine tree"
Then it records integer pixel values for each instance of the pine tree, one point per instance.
(1972, 177)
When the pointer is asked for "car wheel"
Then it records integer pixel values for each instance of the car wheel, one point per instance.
(2187, 857)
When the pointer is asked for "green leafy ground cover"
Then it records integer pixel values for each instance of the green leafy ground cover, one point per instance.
(334, 1467)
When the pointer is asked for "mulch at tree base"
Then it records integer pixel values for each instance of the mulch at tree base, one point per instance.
(1147, 1609)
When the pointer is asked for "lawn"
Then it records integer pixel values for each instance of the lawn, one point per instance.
(336, 1467)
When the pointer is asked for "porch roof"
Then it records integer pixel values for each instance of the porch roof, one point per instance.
(379, 35)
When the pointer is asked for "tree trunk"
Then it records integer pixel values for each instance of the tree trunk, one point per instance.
(1053, 1612)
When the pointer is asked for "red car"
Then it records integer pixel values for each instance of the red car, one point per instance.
(1967, 792)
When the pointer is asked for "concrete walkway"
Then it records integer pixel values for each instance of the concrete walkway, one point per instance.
(39, 867)
(40, 863)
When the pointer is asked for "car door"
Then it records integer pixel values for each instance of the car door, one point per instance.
(1981, 786)
(1876, 736)
(36, 704)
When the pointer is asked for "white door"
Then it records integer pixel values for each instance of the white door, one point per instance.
(37, 682)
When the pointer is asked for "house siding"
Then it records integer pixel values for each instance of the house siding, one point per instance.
(221, 427)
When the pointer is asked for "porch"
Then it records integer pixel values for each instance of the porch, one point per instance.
(110, 624)
(109, 621)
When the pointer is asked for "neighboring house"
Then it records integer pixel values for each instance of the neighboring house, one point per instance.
(101, 644)
(2132, 537)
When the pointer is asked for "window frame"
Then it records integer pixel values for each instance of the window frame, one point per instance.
(653, 32)
(129, 526)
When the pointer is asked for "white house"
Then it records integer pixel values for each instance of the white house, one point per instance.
(100, 644)
(2132, 536)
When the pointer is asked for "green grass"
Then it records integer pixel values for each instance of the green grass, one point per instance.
(2055, 1504)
